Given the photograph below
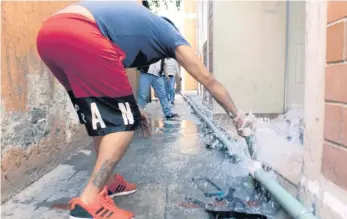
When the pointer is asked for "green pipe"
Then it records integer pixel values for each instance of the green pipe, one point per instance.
(286, 200)
(250, 145)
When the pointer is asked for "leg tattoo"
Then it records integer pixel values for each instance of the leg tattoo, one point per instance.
(101, 176)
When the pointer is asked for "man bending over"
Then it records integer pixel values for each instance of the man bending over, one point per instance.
(87, 46)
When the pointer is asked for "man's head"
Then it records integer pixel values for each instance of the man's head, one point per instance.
(146, 4)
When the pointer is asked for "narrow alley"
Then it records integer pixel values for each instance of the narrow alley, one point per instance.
(162, 167)
(274, 148)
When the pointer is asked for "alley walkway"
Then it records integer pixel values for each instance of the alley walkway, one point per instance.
(162, 167)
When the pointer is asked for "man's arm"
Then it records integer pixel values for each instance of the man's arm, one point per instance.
(187, 58)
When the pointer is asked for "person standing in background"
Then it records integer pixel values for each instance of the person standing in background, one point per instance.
(151, 77)
(171, 70)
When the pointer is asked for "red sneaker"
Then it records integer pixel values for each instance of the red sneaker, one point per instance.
(120, 187)
(102, 208)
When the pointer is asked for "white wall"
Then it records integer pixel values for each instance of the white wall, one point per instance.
(249, 53)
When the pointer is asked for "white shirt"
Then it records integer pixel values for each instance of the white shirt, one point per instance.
(172, 68)
(154, 69)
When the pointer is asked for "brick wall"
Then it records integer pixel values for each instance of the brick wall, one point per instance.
(335, 130)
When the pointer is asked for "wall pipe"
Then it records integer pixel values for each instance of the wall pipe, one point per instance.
(292, 206)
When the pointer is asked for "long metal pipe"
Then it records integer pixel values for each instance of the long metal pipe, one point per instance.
(221, 136)
(285, 199)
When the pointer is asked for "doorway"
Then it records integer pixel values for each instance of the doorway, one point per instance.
(295, 54)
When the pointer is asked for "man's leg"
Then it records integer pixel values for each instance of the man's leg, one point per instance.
(116, 184)
(159, 88)
(112, 149)
(111, 122)
(172, 88)
(97, 141)
(144, 88)
(167, 89)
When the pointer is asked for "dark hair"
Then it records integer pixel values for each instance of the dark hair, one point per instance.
(146, 4)
(162, 66)
(168, 20)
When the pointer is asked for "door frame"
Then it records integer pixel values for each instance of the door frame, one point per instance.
(286, 71)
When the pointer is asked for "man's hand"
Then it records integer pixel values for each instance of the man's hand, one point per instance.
(145, 124)
(243, 125)
(167, 78)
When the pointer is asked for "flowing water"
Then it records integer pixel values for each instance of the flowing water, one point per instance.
(274, 138)
(276, 141)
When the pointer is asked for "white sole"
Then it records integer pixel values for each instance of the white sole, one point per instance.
(72, 217)
(123, 193)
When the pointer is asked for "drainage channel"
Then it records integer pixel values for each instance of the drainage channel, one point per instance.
(263, 184)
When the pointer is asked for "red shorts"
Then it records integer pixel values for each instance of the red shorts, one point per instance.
(90, 67)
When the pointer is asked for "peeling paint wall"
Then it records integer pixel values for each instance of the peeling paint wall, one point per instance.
(38, 123)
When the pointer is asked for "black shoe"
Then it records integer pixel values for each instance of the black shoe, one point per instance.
(172, 102)
(173, 115)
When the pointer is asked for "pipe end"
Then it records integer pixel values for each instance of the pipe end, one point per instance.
(254, 166)
(247, 131)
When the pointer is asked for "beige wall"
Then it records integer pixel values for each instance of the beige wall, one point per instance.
(323, 178)
(249, 53)
(189, 31)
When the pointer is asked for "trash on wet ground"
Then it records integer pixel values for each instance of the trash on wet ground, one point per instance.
(245, 198)
(203, 183)
(233, 158)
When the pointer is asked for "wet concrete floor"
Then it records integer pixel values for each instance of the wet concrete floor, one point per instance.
(162, 166)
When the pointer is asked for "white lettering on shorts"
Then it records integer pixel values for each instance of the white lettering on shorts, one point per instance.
(127, 115)
(82, 115)
(96, 117)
